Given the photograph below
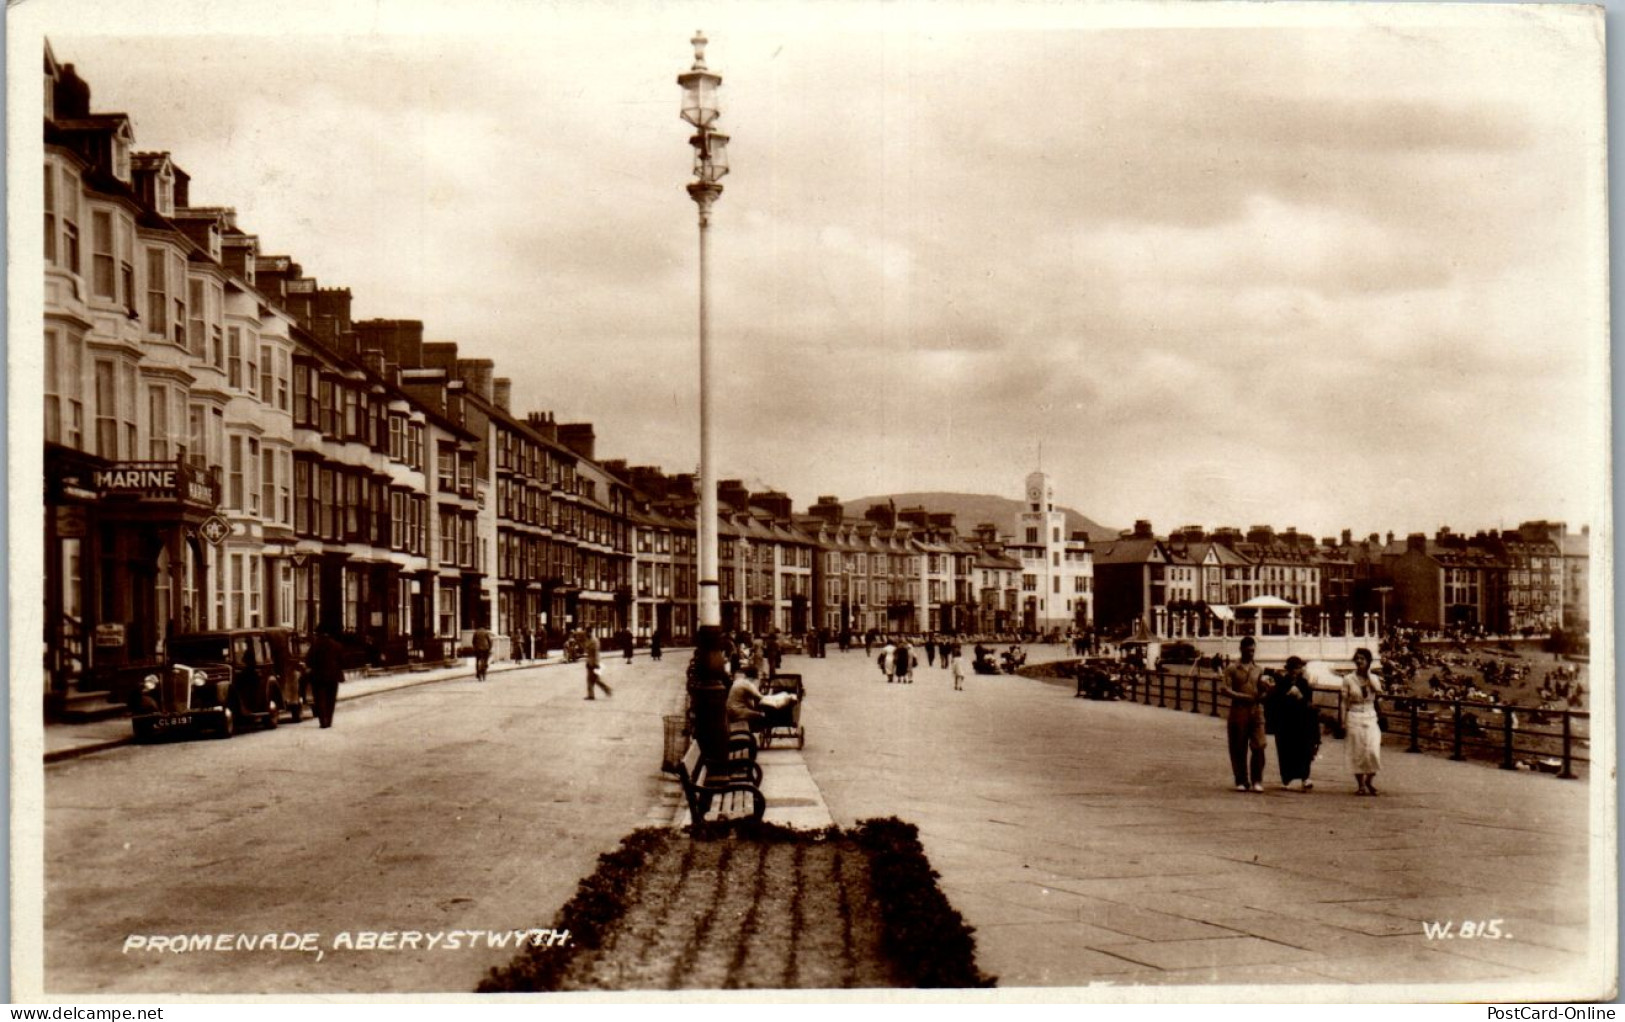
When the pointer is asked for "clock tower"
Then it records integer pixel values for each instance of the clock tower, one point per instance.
(1040, 493)
(1057, 570)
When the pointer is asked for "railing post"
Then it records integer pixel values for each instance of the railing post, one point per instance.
(1416, 745)
(1456, 751)
(1196, 692)
(1179, 693)
(1214, 688)
(1506, 729)
(1162, 691)
(1568, 773)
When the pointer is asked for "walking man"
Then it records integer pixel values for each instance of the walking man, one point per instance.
(324, 664)
(1244, 683)
(593, 677)
(482, 652)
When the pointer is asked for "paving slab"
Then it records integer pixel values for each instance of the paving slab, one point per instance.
(1209, 953)
(1415, 968)
(1054, 954)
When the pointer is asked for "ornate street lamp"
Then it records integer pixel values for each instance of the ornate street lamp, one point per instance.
(700, 87)
(708, 680)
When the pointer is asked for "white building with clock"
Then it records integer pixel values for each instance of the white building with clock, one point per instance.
(1057, 569)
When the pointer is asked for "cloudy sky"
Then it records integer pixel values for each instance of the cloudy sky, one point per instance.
(1326, 266)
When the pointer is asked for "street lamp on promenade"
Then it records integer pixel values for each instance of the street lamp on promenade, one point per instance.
(708, 682)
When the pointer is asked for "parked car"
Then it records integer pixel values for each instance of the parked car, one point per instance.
(219, 682)
(1178, 654)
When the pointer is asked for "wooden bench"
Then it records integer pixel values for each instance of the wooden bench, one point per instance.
(734, 787)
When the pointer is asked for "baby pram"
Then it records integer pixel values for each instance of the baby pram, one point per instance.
(784, 721)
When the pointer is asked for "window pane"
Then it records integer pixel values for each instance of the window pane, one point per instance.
(102, 282)
(157, 296)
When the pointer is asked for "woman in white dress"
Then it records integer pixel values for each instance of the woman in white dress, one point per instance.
(1364, 741)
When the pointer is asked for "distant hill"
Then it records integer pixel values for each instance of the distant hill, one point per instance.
(971, 509)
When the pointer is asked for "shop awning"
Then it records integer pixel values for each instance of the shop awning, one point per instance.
(1222, 612)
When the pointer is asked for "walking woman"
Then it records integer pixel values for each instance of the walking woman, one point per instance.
(1364, 743)
(1291, 714)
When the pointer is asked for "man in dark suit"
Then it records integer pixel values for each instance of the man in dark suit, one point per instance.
(325, 666)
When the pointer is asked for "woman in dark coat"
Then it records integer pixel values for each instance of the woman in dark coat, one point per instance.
(1296, 723)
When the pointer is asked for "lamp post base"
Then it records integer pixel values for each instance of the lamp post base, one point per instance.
(708, 683)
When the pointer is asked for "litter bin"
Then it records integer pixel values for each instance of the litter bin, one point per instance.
(676, 743)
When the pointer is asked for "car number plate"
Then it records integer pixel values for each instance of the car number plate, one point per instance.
(179, 720)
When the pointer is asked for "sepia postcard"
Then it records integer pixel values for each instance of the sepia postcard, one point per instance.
(1049, 502)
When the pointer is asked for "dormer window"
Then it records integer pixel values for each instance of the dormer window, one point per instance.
(121, 153)
(165, 195)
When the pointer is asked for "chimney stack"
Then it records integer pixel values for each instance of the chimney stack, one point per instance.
(827, 508)
(578, 437)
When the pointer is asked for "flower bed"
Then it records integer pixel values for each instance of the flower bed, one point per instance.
(763, 907)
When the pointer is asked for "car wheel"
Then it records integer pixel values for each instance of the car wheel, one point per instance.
(228, 723)
(296, 711)
(273, 708)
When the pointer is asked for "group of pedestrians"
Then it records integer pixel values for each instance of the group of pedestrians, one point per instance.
(1285, 706)
(898, 660)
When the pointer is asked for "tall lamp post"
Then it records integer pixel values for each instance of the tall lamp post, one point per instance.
(709, 678)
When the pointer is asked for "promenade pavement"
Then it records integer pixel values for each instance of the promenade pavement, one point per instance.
(1102, 844)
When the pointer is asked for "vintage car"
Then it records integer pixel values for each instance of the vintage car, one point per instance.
(1178, 654)
(219, 682)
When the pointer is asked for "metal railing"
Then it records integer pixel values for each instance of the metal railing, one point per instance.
(1546, 740)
